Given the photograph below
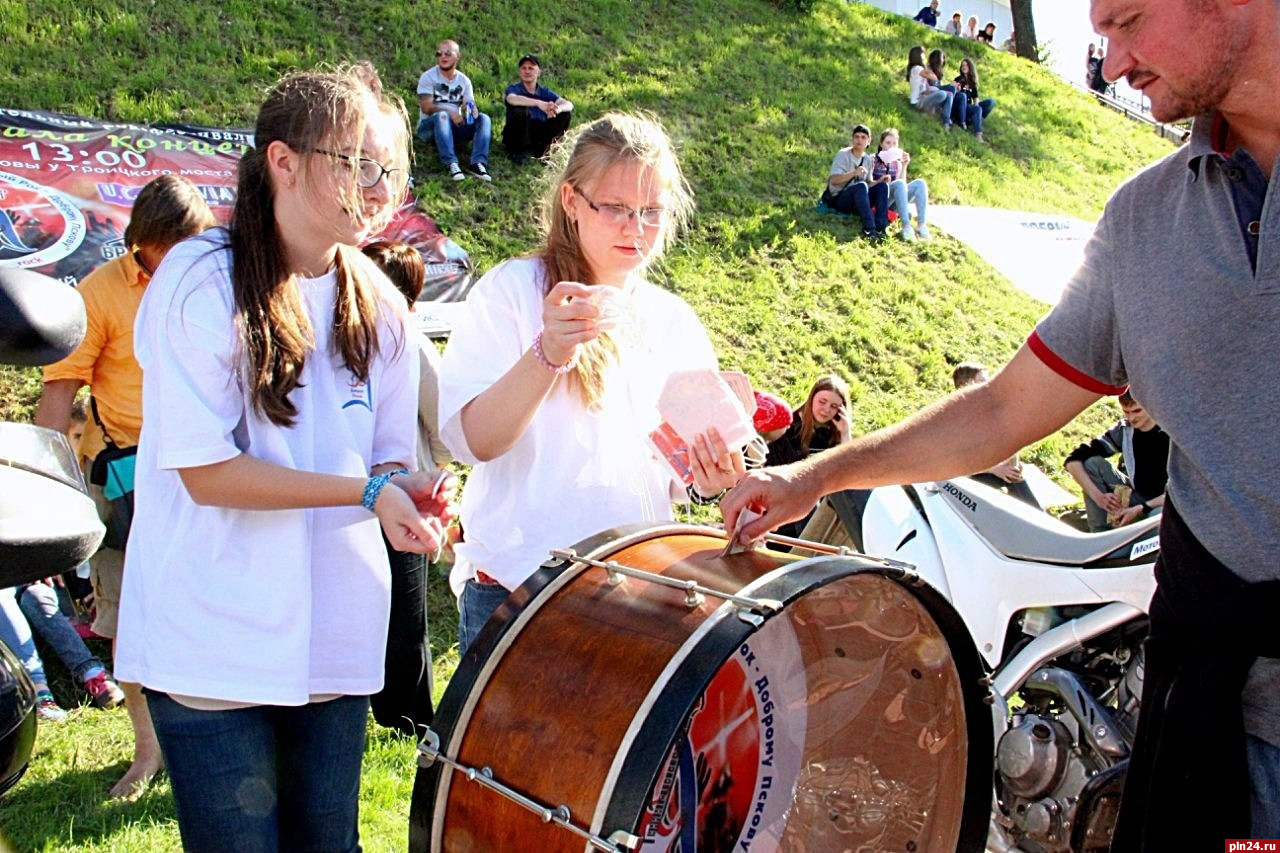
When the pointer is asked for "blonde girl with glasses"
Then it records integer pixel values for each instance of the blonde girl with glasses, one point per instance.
(550, 382)
(279, 396)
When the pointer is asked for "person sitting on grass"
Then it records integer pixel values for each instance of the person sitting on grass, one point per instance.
(448, 115)
(1144, 449)
(953, 27)
(34, 607)
(1006, 476)
(976, 108)
(850, 190)
(924, 89)
(821, 423)
(890, 166)
(536, 116)
(959, 101)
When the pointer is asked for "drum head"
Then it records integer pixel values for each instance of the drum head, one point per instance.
(841, 724)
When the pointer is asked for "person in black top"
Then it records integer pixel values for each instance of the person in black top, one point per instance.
(821, 423)
(1097, 80)
(1144, 448)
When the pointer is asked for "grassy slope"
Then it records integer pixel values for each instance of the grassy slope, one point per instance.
(758, 101)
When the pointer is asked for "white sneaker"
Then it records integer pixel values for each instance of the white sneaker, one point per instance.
(908, 233)
(922, 231)
(455, 171)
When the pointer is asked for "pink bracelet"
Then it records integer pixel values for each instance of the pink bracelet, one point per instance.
(542, 358)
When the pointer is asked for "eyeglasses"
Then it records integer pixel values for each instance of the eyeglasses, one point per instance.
(620, 214)
(369, 172)
(446, 53)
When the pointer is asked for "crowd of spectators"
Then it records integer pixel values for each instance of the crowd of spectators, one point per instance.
(874, 187)
(986, 34)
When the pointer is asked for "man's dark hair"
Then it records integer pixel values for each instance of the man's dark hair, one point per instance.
(167, 209)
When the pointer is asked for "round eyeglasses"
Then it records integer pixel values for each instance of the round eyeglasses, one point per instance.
(369, 171)
(620, 214)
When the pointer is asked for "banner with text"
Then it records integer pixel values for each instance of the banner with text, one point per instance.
(67, 186)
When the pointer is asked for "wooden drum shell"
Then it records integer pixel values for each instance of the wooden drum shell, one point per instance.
(577, 691)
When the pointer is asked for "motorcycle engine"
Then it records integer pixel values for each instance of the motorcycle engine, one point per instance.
(1060, 765)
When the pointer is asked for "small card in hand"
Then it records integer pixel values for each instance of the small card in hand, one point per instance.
(672, 450)
(745, 517)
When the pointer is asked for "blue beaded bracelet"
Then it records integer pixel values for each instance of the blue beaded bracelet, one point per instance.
(373, 487)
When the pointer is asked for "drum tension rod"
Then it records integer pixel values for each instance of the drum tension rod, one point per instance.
(429, 752)
(694, 592)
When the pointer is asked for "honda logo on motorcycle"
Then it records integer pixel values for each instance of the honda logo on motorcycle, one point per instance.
(968, 502)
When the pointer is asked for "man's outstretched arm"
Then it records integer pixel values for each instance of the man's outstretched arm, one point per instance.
(964, 432)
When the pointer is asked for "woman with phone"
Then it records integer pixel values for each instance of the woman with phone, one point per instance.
(820, 424)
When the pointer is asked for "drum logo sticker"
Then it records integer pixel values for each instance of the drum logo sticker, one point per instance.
(38, 225)
(729, 782)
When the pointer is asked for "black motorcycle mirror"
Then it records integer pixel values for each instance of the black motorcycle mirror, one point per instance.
(48, 523)
(41, 320)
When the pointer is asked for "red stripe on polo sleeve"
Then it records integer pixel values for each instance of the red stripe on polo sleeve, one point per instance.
(1055, 363)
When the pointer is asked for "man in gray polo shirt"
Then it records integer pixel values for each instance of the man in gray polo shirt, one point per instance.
(1179, 298)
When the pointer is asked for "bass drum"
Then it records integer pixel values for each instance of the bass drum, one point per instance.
(644, 691)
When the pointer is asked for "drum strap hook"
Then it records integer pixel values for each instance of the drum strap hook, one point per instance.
(429, 752)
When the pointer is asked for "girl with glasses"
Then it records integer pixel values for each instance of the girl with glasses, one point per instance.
(279, 398)
(550, 382)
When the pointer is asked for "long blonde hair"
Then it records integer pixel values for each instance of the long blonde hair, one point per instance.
(304, 110)
(613, 139)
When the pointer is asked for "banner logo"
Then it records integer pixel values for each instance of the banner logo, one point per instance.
(38, 225)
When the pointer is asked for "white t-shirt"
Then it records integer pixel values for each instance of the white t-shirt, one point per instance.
(266, 607)
(918, 84)
(453, 93)
(573, 473)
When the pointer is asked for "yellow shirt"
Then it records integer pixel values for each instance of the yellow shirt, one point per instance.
(104, 360)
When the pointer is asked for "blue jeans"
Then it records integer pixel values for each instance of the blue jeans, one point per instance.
(973, 113)
(404, 703)
(1264, 782)
(901, 194)
(477, 604)
(15, 633)
(39, 603)
(870, 203)
(439, 127)
(938, 101)
(264, 778)
(959, 108)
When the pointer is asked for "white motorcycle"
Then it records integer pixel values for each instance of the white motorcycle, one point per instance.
(1058, 616)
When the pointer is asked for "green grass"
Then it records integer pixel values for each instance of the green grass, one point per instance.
(758, 101)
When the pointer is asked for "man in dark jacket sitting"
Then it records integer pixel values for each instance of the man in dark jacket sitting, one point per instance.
(1144, 450)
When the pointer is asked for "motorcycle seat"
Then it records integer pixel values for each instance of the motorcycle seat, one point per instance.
(1022, 532)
